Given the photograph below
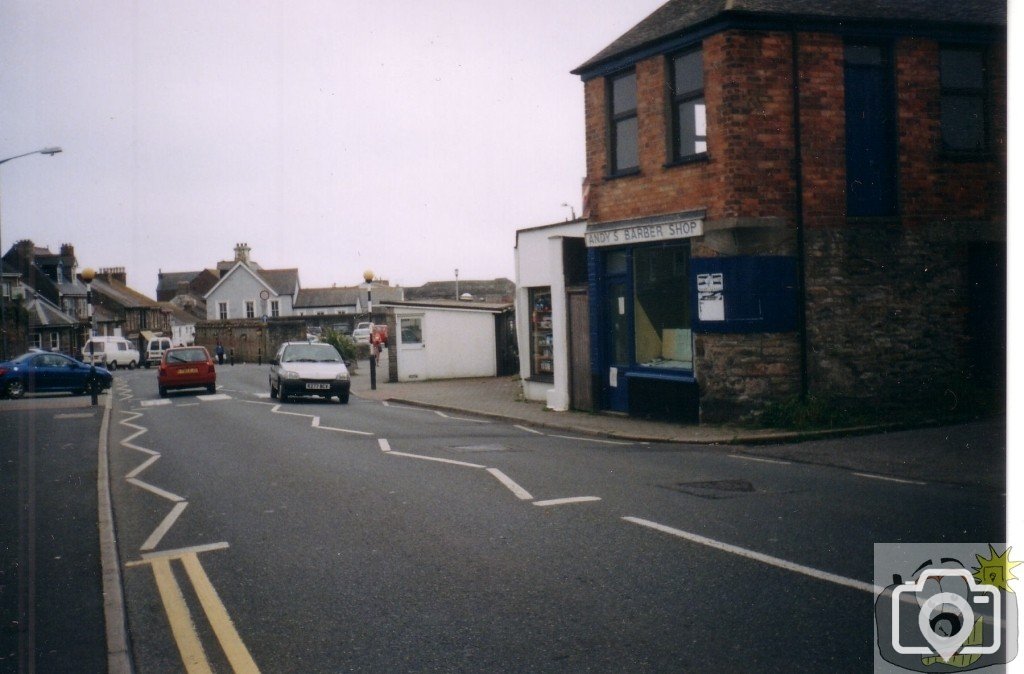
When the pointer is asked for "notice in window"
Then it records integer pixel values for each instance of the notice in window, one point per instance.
(710, 297)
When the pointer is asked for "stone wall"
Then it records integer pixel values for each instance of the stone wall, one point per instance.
(739, 373)
(250, 340)
(886, 311)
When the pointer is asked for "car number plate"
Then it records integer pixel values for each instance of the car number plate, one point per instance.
(318, 387)
(189, 370)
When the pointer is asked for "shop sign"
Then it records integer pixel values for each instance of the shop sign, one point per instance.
(665, 231)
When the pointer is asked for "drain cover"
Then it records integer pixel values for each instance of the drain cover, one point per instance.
(715, 489)
(481, 448)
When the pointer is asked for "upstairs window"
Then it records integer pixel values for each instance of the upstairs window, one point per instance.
(275, 308)
(625, 155)
(689, 116)
(962, 77)
(250, 309)
(222, 311)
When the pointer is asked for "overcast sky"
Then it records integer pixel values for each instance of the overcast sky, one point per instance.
(408, 137)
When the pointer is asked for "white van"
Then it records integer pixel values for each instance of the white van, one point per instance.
(111, 352)
(155, 347)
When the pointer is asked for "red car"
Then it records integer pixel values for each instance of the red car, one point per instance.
(186, 367)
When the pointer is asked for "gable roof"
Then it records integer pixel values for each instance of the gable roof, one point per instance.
(681, 16)
(280, 281)
(309, 298)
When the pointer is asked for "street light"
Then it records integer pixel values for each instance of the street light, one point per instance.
(88, 274)
(3, 313)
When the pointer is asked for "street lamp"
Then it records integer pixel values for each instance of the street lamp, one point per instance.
(88, 274)
(3, 313)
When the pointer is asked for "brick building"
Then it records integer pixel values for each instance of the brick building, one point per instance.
(792, 198)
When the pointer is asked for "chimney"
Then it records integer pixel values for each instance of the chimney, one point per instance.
(67, 250)
(242, 252)
(114, 274)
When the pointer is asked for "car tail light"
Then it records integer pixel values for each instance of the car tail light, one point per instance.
(3, 371)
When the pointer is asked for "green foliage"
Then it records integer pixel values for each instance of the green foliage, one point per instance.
(343, 343)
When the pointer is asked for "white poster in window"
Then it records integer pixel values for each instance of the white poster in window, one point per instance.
(710, 297)
(613, 377)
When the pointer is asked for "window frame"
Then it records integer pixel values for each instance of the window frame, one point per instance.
(980, 93)
(616, 119)
(674, 100)
(222, 311)
(250, 309)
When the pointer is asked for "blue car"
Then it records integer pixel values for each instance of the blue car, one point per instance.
(36, 372)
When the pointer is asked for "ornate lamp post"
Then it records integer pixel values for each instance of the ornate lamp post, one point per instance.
(88, 274)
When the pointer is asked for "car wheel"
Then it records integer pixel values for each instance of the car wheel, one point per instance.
(163, 392)
(212, 388)
(112, 365)
(343, 399)
(273, 391)
(282, 394)
(15, 388)
(146, 364)
(131, 365)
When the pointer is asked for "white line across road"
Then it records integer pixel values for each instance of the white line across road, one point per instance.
(759, 459)
(520, 493)
(436, 459)
(889, 479)
(758, 556)
(566, 501)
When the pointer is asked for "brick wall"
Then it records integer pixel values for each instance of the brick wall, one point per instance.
(886, 300)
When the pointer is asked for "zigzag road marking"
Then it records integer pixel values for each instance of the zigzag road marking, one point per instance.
(315, 423)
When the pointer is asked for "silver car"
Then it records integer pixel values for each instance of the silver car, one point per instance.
(308, 369)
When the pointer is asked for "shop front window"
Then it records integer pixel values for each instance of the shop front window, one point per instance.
(661, 314)
(541, 344)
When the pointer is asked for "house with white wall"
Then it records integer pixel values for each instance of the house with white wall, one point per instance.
(245, 292)
(447, 339)
(551, 295)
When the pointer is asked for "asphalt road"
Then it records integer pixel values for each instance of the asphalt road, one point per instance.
(49, 542)
(318, 537)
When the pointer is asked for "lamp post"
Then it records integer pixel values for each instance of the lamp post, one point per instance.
(456, 283)
(88, 274)
(3, 302)
(368, 277)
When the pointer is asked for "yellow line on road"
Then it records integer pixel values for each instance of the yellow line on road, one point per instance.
(238, 655)
(184, 629)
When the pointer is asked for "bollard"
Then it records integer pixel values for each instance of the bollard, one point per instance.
(373, 373)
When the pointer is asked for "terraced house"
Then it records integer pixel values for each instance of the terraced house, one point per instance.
(796, 198)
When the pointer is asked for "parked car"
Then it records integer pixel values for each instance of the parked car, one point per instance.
(36, 372)
(155, 348)
(362, 333)
(304, 369)
(186, 367)
(111, 352)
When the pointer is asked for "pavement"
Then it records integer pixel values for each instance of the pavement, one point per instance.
(971, 454)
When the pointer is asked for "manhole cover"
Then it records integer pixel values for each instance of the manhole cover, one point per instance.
(714, 489)
(481, 448)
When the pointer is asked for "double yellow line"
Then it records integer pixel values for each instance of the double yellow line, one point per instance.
(182, 626)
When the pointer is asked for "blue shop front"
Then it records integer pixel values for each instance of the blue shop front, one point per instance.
(652, 303)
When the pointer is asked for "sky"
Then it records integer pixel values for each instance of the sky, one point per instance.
(409, 138)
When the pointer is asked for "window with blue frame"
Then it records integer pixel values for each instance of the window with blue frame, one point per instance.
(663, 336)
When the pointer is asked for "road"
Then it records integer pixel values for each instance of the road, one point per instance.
(318, 537)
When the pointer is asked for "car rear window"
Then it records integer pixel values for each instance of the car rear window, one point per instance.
(95, 347)
(186, 356)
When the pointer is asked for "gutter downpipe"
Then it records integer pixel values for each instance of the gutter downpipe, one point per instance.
(798, 171)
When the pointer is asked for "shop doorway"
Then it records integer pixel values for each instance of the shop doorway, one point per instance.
(581, 388)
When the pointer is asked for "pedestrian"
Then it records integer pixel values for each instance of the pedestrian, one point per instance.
(220, 353)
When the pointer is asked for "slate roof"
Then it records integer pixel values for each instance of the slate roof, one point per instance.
(310, 298)
(43, 313)
(283, 281)
(491, 307)
(123, 295)
(680, 16)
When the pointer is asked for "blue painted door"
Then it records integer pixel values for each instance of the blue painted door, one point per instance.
(870, 131)
(618, 344)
